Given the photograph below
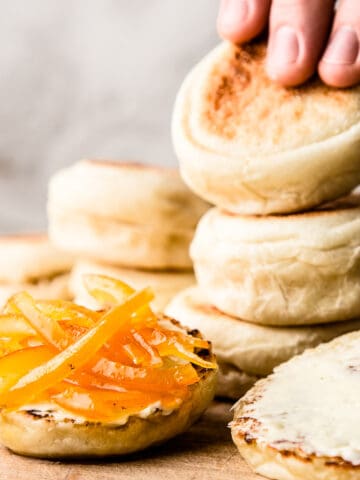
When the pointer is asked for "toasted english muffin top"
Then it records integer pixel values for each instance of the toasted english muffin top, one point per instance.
(240, 104)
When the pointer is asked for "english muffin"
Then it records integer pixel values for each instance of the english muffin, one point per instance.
(125, 214)
(251, 350)
(41, 430)
(251, 146)
(292, 269)
(302, 421)
(81, 383)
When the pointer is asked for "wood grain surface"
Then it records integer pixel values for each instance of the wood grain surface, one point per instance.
(205, 452)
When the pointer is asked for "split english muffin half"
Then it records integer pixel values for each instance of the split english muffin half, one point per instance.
(302, 421)
(245, 351)
(47, 432)
(294, 269)
(124, 214)
(251, 146)
(81, 383)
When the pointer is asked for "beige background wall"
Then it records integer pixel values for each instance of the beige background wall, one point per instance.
(85, 78)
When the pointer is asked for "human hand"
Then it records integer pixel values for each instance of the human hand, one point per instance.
(304, 36)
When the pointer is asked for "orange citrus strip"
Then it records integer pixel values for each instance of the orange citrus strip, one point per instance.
(178, 350)
(75, 356)
(137, 354)
(16, 364)
(157, 336)
(68, 311)
(48, 328)
(108, 405)
(9, 345)
(61, 335)
(154, 357)
(84, 379)
(139, 377)
(107, 290)
(111, 291)
(15, 326)
(10, 307)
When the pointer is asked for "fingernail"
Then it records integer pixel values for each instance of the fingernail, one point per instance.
(343, 48)
(233, 12)
(284, 47)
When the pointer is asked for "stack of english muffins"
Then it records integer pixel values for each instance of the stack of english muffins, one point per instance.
(126, 220)
(277, 261)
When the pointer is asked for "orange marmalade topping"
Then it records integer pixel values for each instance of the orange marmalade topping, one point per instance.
(101, 365)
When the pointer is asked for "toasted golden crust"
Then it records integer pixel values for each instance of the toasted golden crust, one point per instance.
(288, 465)
(244, 105)
(278, 463)
(251, 146)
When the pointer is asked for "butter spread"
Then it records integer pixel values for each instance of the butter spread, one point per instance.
(313, 402)
(59, 414)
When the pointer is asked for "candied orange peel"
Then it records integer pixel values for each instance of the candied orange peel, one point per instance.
(99, 364)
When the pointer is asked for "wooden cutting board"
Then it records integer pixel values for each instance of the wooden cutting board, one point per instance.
(205, 452)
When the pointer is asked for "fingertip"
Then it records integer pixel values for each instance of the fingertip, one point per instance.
(231, 17)
(339, 76)
(295, 46)
(241, 20)
(288, 76)
(285, 62)
(235, 33)
(340, 64)
(230, 32)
